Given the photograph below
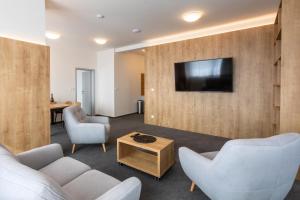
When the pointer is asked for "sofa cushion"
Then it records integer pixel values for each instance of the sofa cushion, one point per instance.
(65, 170)
(18, 181)
(210, 155)
(40, 157)
(90, 185)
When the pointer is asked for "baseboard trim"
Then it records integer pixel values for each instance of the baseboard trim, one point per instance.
(118, 116)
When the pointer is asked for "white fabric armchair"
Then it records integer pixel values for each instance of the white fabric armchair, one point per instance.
(245, 169)
(84, 129)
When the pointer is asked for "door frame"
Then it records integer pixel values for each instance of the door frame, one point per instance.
(92, 86)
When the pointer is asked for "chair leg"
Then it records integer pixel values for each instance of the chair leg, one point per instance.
(73, 148)
(192, 187)
(103, 146)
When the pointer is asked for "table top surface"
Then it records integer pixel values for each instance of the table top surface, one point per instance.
(61, 105)
(156, 146)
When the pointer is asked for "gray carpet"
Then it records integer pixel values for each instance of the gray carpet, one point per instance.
(174, 184)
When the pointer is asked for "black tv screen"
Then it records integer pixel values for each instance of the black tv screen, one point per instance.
(205, 75)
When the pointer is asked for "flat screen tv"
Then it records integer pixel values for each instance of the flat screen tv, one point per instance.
(214, 75)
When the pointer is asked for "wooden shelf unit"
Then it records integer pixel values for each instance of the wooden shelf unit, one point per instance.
(277, 52)
(278, 24)
(277, 71)
(276, 98)
(139, 159)
(286, 68)
(276, 120)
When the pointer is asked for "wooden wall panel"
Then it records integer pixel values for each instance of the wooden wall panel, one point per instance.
(245, 113)
(24, 89)
(290, 70)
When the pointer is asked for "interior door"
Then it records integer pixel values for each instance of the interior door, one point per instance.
(86, 92)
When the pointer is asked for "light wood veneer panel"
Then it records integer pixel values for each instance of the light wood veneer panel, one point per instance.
(245, 113)
(24, 89)
(290, 70)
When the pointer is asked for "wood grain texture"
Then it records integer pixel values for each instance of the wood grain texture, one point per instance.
(24, 89)
(290, 69)
(54, 106)
(153, 158)
(192, 187)
(245, 113)
(277, 72)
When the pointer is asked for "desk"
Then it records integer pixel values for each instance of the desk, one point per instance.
(59, 107)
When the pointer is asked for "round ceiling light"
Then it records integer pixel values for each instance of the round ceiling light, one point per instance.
(100, 41)
(192, 16)
(52, 35)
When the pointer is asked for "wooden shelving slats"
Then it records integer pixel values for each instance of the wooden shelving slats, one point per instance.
(277, 70)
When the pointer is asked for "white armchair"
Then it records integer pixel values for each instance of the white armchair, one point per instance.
(84, 129)
(245, 169)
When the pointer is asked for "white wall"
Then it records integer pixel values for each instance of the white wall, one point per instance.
(118, 85)
(23, 20)
(65, 57)
(129, 68)
(105, 83)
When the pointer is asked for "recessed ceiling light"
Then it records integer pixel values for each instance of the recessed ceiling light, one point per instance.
(100, 41)
(192, 16)
(99, 16)
(136, 30)
(143, 50)
(52, 35)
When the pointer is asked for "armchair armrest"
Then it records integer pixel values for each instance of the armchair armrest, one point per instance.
(38, 158)
(194, 165)
(98, 119)
(130, 189)
(89, 133)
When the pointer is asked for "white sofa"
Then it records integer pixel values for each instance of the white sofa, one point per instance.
(44, 174)
(246, 169)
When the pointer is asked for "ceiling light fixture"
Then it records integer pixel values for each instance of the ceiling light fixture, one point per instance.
(136, 30)
(52, 35)
(100, 41)
(99, 16)
(192, 16)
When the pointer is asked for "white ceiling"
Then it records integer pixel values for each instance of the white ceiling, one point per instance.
(76, 20)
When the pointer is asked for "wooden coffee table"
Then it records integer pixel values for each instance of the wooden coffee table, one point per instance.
(153, 158)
